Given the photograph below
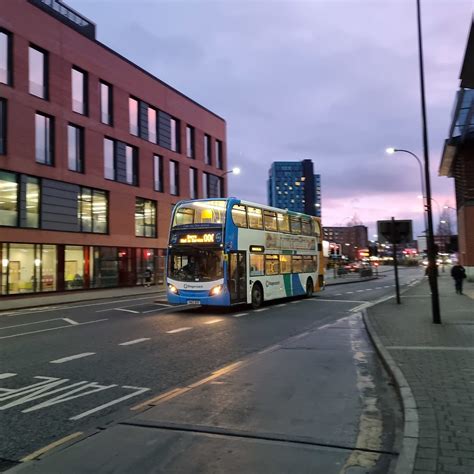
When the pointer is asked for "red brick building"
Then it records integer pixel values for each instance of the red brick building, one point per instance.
(458, 158)
(94, 153)
(351, 239)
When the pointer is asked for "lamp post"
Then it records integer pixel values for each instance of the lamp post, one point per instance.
(431, 244)
(235, 170)
(391, 151)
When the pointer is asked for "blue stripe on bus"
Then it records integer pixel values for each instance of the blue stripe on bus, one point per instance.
(296, 285)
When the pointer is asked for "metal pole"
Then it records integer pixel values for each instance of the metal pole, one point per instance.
(432, 273)
(395, 261)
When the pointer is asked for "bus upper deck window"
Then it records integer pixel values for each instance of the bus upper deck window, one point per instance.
(283, 222)
(255, 218)
(239, 215)
(295, 225)
(306, 227)
(270, 220)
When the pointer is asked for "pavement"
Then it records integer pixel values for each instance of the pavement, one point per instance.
(433, 366)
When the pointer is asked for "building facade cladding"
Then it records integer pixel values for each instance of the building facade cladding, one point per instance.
(293, 185)
(457, 160)
(87, 203)
(355, 236)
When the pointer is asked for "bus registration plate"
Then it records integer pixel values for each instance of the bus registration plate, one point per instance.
(193, 302)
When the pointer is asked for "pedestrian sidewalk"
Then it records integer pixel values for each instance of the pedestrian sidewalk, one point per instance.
(433, 366)
(44, 299)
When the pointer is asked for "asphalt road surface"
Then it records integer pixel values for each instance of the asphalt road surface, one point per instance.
(79, 367)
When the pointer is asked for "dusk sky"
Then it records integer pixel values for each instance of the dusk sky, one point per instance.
(334, 81)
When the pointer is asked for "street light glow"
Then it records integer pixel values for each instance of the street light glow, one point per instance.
(390, 150)
(236, 170)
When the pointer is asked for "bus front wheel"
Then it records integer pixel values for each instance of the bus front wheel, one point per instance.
(257, 296)
(309, 288)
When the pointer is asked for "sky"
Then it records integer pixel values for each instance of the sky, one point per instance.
(335, 81)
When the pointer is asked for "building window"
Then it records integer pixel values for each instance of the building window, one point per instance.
(158, 173)
(109, 159)
(205, 180)
(106, 101)
(74, 274)
(130, 165)
(207, 150)
(145, 218)
(5, 58)
(193, 183)
(174, 178)
(189, 141)
(255, 218)
(133, 115)
(3, 126)
(44, 139)
(174, 130)
(93, 211)
(38, 72)
(8, 199)
(32, 192)
(152, 124)
(75, 148)
(79, 91)
(212, 185)
(219, 154)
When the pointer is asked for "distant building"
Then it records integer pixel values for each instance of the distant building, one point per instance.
(351, 239)
(458, 158)
(293, 185)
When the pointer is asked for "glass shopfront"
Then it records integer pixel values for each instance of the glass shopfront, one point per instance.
(35, 268)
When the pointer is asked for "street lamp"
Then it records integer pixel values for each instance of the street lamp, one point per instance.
(235, 170)
(391, 151)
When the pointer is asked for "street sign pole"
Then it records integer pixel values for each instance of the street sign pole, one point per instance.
(395, 261)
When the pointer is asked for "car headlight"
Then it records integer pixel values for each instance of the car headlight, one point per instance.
(173, 289)
(216, 290)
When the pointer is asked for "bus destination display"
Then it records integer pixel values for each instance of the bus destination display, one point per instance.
(196, 238)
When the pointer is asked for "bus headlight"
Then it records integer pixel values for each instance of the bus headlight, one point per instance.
(173, 289)
(216, 290)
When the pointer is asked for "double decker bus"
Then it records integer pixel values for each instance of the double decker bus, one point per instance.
(223, 252)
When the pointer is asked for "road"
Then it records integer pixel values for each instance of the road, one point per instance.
(79, 367)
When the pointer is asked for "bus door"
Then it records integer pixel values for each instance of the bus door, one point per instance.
(238, 277)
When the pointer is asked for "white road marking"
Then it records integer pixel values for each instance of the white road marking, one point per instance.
(73, 357)
(7, 375)
(339, 301)
(26, 311)
(270, 349)
(166, 306)
(378, 287)
(174, 331)
(280, 305)
(360, 291)
(349, 292)
(213, 321)
(387, 286)
(127, 310)
(368, 289)
(71, 321)
(295, 302)
(29, 324)
(260, 310)
(240, 315)
(135, 341)
(338, 294)
(299, 336)
(53, 329)
(139, 391)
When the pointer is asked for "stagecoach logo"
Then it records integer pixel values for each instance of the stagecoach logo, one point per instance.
(271, 283)
(188, 286)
